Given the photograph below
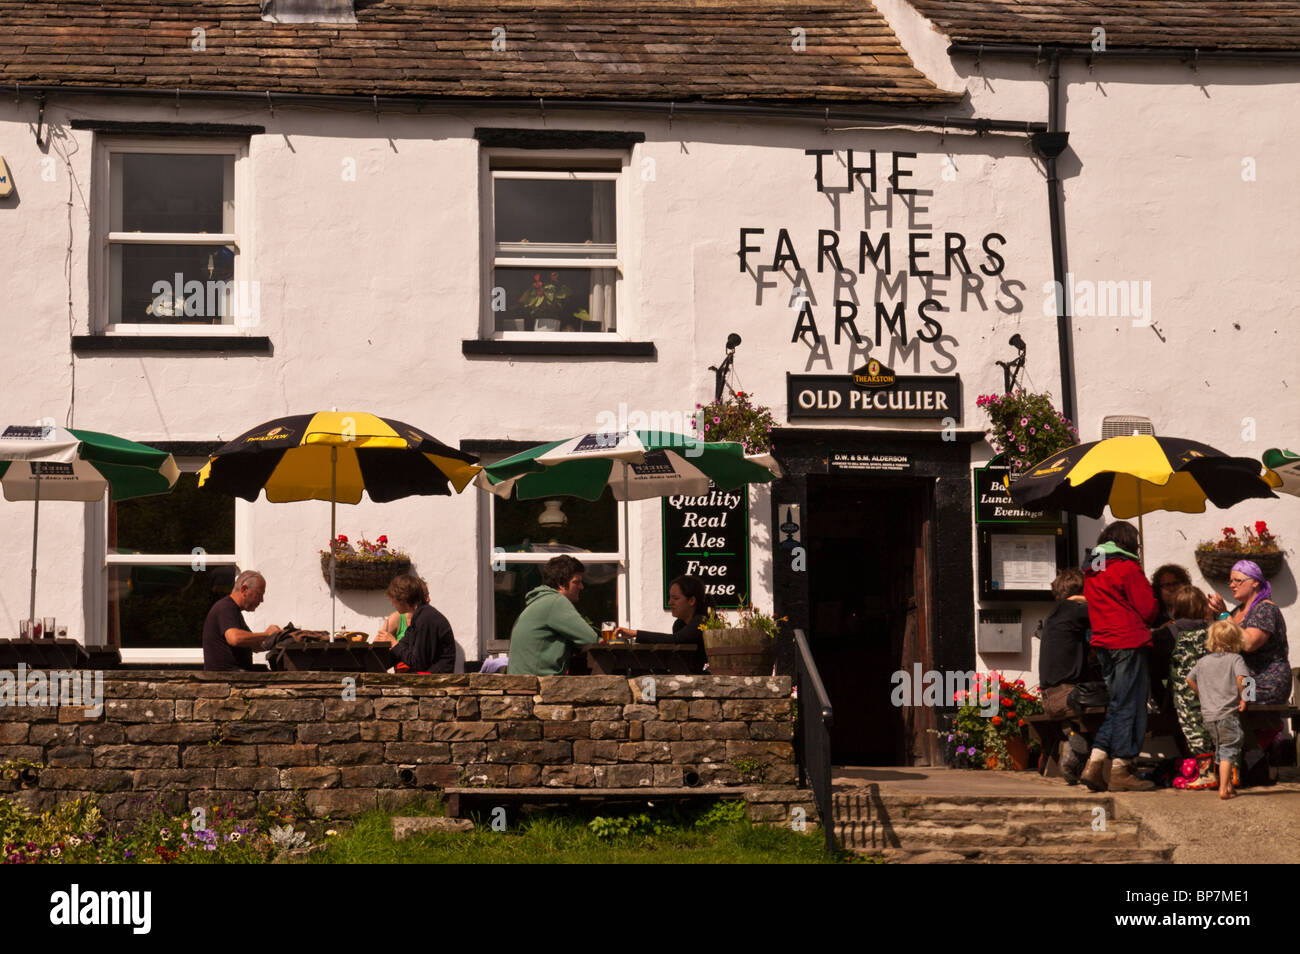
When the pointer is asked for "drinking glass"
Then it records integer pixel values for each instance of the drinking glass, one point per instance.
(607, 632)
(36, 629)
(49, 627)
(25, 628)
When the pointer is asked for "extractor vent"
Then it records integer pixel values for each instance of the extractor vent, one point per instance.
(1125, 425)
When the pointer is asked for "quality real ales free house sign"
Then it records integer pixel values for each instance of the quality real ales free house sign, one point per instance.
(868, 274)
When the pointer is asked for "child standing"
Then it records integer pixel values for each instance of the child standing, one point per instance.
(1217, 679)
(1190, 627)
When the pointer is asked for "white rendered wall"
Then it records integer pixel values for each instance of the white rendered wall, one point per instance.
(369, 286)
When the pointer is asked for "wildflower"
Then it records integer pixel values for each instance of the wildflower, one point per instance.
(717, 420)
(1033, 430)
(330, 832)
(1023, 448)
(31, 846)
(996, 720)
(128, 853)
(555, 276)
(164, 832)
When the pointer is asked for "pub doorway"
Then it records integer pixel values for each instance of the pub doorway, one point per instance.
(868, 544)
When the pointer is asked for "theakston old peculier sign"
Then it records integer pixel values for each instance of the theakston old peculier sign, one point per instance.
(837, 395)
(708, 537)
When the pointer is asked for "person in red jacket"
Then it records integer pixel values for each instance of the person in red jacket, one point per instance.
(1121, 607)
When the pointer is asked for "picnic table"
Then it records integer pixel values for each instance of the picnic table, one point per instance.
(636, 659)
(318, 655)
(43, 654)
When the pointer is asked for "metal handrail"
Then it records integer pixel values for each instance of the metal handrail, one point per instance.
(813, 736)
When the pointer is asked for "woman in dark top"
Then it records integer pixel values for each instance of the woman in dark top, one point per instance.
(688, 603)
(1063, 659)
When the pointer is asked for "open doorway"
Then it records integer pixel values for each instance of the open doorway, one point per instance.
(868, 605)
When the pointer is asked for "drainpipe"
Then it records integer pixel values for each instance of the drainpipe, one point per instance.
(1048, 146)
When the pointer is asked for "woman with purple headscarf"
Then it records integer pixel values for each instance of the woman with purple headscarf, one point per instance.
(1265, 653)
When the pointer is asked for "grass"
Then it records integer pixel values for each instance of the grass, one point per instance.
(563, 838)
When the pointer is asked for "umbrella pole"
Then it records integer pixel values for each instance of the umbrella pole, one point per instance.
(334, 464)
(36, 522)
(627, 569)
(1142, 542)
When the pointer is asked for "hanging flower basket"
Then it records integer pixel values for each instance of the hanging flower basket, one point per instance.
(351, 573)
(371, 566)
(1026, 429)
(1218, 564)
(1217, 558)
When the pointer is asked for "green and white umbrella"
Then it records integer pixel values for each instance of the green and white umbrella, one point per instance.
(1285, 465)
(52, 463)
(634, 465)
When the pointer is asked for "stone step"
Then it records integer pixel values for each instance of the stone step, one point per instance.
(959, 808)
(1032, 854)
(920, 837)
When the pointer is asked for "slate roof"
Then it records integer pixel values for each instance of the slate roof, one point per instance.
(1255, 25)
(562, 49)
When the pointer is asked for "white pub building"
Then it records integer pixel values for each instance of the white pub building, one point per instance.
(214, 214)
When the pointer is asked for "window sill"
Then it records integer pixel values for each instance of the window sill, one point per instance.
(136, 343)
(583, 348)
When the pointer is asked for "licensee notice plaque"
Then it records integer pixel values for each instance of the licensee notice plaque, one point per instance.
(708, 537)
(893, 463)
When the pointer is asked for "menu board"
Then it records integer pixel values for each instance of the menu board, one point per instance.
(708, 537)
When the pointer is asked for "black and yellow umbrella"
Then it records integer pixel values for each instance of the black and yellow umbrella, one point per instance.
(335, 456)
(1138, 475)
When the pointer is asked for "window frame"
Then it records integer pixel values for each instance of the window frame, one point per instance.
(106, 146)
(106, 561)
(555, 164)
(488, 557)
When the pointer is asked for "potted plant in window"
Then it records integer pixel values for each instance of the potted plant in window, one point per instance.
(1026, 428)
(746, 649)
(545, 303)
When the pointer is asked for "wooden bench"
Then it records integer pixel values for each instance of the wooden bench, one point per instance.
(462, 800)
(1050, 732)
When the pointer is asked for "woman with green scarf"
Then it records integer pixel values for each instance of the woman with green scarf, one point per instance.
(1121, 607)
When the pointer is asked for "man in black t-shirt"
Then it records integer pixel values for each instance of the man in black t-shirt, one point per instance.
(228, 644)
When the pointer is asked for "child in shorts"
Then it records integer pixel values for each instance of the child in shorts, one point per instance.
(1217, 678)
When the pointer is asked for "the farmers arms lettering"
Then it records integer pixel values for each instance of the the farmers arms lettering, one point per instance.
(949, 268)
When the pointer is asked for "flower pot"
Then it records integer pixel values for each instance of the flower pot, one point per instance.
(739, 652)
(547, 324)
(1019, 752)
(1217, 564)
